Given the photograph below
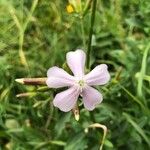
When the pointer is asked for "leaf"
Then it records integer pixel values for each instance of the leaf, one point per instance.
(108, 143)
(60, 143)
(142, 72)
(61, 123)
(137, 128)
(78, 142)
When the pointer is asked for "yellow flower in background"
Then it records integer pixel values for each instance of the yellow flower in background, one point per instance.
(69, 8)
(76, 5)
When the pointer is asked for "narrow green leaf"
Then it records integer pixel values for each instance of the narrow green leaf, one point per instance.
(142, 72)
(137, 128)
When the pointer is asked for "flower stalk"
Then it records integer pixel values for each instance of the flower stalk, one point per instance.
(91, 32)
(98, 125)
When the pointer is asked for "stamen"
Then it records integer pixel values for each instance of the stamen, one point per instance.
(81, 83)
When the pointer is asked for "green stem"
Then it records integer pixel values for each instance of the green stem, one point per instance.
(83, 33)
(22, 32)
(142, 72)
(91, 32)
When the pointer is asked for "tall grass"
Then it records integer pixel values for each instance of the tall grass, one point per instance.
(35, 35)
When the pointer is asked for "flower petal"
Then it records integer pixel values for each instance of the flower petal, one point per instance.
(98, 76)
(91, 97)
(57, 78)
(66, 100)
(76, 62)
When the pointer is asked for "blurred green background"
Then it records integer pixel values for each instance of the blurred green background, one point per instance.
(35, 35)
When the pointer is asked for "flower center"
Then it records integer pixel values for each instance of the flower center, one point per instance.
(81, 83)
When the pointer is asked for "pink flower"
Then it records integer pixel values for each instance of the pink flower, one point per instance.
(79, 84)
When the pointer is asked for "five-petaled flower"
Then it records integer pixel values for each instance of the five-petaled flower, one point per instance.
(79, 84)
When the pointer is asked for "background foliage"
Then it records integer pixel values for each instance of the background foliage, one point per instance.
(35, 35)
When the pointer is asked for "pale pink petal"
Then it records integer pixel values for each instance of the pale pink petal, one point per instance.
(76, 62)
(57, 78)
(98, 76)
(91, 97)
(66, 100)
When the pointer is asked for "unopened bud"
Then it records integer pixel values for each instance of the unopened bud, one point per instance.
(76, 113)
(32, 81)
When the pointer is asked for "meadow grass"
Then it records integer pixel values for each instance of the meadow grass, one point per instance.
(36, 35)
